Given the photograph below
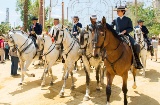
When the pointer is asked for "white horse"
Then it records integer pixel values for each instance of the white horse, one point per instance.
(26, 50)
(51, 54)
(143, 47)
(71, 55)
(87, 48)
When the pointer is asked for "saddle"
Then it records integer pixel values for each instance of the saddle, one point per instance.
(125, 39)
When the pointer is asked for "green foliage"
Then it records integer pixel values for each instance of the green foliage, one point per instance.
(4, 27)
(33, 9)
(148, 15)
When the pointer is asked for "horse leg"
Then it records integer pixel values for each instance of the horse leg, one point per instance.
(22, 75)
(87, 71)
(108, 87)
(50, 70)
(64, 71)
(124, 87)
(86, 97)
(102, 70)
(64, 84)
(75, 66)
(28, 62)
(134, 72)
(97, 77)
(72, 86)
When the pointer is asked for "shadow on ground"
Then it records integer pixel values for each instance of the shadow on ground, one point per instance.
(153, 75)
(142, 99)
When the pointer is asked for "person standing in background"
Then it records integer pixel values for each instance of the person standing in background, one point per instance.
(1, 50)
(14, 60)
(6, 49)
(155, 46)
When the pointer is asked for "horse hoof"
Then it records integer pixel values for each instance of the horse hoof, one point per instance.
(86, 98)
(51, 83)
(20, 84)
(33, 75)
(61, 94)
(134, 86)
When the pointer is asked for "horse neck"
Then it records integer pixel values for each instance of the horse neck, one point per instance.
(19, 39)
(89, 48)
(111, 42)
(67, 39)
(48, 42)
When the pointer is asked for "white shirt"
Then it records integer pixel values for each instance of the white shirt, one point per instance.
(154, 43)
(121, 17)
(55, 27)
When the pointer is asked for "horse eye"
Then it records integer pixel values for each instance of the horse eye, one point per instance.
(85, 39)
(60, 35)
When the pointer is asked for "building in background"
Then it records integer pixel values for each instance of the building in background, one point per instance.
(7, 15)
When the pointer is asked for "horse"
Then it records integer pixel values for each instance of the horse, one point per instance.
(50, 55)
(87, 47)
(26, 50)
(71, 54)
(143, 47)
(118, 56)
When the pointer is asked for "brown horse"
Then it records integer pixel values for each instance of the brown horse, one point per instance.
(118, 56)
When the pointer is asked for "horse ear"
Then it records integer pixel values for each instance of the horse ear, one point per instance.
(103, 20)
(79, 29)
(87, 27)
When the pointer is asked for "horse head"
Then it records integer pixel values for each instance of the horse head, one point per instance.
(84, 36)
(138, 35)
(99, 37)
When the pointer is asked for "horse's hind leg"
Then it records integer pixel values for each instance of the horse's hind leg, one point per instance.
(124, 87)
(134, 72)
(108, 87)
(50, 70)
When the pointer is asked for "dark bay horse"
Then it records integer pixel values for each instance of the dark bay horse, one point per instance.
(118, 56)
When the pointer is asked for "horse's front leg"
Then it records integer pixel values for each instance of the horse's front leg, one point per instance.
(22, 75)
(65, 79)
(102, 71)
(28, 62)
(108, 87)
(87, 71)
(124, 87)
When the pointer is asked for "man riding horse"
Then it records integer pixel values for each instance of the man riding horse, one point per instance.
(145, 35)
(35, 29)
(75, 26)
(124, 26)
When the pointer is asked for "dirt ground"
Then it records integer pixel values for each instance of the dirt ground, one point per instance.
(31, 93)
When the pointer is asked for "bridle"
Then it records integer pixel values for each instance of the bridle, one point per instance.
(141, 41)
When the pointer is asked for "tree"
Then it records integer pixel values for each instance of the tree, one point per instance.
(148, 15)
(25, 18)
(4, 27)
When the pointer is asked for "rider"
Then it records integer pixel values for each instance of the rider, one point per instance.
(124, 26)
(145, 34)
(76, 24)
(56, 25)
(35, 29)
(93, 21)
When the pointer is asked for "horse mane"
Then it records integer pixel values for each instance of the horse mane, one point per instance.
(109, 27)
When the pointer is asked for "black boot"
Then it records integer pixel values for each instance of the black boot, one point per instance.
(138, 62)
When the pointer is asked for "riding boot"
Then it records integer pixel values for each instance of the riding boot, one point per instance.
(136, 51)
(138, 62)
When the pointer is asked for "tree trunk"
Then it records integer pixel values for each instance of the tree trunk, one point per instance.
(25, 19)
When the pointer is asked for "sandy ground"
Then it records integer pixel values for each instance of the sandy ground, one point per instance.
(31, 93)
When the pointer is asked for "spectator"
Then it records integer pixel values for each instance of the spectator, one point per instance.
(14, 60)
(1, 50)
(155, 46)
(6, 49)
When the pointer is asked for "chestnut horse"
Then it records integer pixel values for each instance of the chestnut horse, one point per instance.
(118, 56)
